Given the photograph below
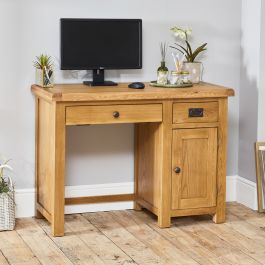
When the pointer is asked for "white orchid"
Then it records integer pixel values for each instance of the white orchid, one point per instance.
(181, 33)
(187, 51)
(5, 167)
(4, 186)
(189, 31)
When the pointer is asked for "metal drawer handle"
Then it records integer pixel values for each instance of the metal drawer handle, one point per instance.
(116, 114)
(195, 112)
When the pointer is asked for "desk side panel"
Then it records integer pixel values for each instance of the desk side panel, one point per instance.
(44, 154)
(149, 145)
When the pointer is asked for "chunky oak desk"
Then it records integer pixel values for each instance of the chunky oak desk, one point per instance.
(180, 147)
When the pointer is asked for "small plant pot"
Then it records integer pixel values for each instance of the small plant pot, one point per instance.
(195, 70)
(7, 210)
(44, 78)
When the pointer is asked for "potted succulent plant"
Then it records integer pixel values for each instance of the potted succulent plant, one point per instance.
(191, 65)
(44, 71)
(7, 199)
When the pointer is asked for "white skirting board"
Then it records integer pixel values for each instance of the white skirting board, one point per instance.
(238, 189)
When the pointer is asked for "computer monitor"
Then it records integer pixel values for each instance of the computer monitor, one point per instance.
(98, 44)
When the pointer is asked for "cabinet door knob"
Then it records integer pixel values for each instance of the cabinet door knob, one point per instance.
(177, 170)
(116, 114)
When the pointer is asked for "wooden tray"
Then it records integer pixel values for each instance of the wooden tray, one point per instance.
(154, 83)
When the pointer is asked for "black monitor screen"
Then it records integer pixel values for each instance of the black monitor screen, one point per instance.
(101, 43)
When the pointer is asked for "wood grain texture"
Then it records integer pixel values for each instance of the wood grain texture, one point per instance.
(181, 112)
(96, 241)
(99, 199)
(219, 217)
(164, 216)
(135, 248)
(37, 212)
(14, 250)
(58, 174)
(196, 125)
(73, 247)
(149, 151)
(133, 237)
(80, 92)
(195, 153)
(168, 253)
(133, 113)
(43, 212)
(193, 211)
(137, 161)
(42, 246)
(152, 109)
(44, 160)
(260, 195)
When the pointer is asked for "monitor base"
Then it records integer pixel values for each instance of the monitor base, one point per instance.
(105, 83)
(98, 79)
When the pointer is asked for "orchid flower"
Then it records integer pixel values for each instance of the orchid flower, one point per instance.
(181, 33)
(187, 51)
(5, 166)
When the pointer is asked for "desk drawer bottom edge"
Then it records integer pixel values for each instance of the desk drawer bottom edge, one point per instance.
(108, 114)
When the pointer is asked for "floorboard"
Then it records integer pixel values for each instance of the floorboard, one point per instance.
(133, 237)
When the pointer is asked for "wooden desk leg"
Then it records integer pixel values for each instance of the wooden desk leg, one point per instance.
(164, 215)
(38, 215)
(58, 183)
(219, 216)
(137, 206)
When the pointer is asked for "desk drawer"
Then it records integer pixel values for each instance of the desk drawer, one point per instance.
(195, 112)
(113, 114)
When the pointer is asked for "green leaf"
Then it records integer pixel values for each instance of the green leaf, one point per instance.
(184, 49)
(189, 49)
(177, 49)
(198, 51)
(43, 61)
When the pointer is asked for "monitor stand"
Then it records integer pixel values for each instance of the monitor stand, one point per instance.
(98, 79)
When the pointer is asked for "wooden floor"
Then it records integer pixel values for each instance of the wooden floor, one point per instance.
(129, 237)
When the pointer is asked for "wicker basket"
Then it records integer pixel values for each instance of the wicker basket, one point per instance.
(7, 209)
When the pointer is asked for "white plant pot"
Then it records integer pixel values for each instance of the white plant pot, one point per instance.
(195, 70)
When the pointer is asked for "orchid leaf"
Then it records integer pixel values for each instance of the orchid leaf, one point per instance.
(189, 49)
(198, 51)
(177, 49)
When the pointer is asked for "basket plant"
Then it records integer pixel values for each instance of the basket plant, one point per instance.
(191, 64)
(44, 71)
(7, 199)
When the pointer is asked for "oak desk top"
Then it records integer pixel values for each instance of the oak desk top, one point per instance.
(80, 92)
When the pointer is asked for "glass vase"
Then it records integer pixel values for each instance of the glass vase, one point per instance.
(162, 74)
(45, 77)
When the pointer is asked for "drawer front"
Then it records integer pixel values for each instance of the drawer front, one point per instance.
(195, 112)
(78, 115)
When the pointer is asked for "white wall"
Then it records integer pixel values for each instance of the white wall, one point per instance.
(249, 85)
(261, 110)
(104, 153)
(252, 85)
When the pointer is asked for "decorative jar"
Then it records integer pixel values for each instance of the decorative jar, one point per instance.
(162, 74)
(45, 77)
(178, 78)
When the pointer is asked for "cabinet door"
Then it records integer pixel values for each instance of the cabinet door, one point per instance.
(194, 161)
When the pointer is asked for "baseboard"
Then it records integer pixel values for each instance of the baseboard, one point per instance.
(96, 190)
(238, 189)
(231, 183)
(25, 198)
(246, 193)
